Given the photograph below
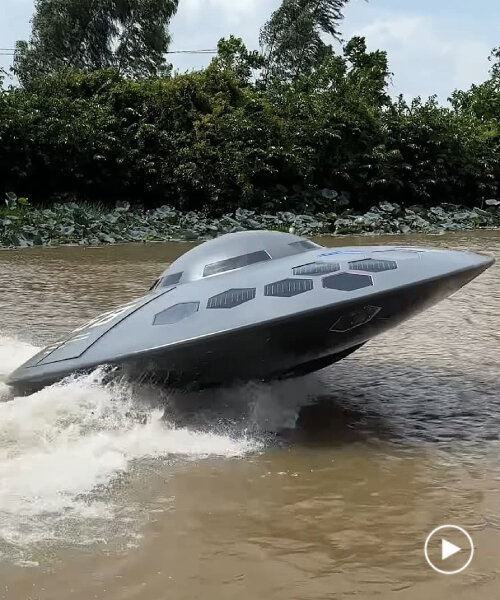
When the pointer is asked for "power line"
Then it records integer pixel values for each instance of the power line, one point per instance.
(10, 51)
(192, 52)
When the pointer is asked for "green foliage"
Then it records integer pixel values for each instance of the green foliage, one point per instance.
(129, 35)
(201, 139)
(292, 40)
(91, 224)
(367, 72)
(432, 155)
(495, 69)
(327, 140)
(12, 202)
(232, 55)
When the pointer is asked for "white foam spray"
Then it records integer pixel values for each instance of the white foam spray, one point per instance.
(13, 352)
(62, 446)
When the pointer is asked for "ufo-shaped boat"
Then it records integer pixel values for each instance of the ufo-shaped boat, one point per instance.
(256, 306)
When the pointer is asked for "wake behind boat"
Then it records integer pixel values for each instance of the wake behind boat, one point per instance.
(256, 306)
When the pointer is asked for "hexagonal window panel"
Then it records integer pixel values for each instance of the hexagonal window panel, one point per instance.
(286, 288)
(370, 265)
(355, 318)
(347, 282)
(176, 313)
(316, 269)
(232, 298)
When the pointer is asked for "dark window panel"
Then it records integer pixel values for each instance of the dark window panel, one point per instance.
(303, 245)
(236, 263)
(176, 313)
(171, 279)
(347, 282)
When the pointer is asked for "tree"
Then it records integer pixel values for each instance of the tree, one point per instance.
(292, 40)
(482, 100)
(368, 72)
(495, 59)
(129, 35)
(233, 55)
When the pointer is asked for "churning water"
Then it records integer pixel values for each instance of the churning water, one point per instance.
(61, 447)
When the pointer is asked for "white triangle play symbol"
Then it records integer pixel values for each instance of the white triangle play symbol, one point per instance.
(448, 549)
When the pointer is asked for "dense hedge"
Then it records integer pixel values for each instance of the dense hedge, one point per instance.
(214, 140)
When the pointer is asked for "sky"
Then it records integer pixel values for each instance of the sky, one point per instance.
(434, 46)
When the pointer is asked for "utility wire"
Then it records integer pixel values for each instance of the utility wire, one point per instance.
(192, 52)
(10, 51)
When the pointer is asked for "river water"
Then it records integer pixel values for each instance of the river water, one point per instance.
(320, 488)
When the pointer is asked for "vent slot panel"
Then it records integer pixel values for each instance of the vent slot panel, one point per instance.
(287, 288)
(316, 269)
(232, 298)
(370, 265)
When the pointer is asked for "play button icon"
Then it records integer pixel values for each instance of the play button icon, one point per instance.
(457, 549)
(448, 549)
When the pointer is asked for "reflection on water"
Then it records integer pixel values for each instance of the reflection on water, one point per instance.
(325, 487)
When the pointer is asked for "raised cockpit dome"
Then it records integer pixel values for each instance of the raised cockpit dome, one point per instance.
(231, 252)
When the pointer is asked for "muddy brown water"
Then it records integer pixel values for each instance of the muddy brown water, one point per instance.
(321, 488)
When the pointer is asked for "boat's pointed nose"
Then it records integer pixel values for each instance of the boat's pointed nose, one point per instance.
(460, 260)
(479, 261)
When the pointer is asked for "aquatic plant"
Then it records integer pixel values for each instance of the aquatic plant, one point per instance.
(22, 225)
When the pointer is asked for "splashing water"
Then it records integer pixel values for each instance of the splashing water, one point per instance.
(59, 445)
(62, 448)
(13, 353)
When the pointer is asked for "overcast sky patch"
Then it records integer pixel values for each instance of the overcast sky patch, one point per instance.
(434, 46)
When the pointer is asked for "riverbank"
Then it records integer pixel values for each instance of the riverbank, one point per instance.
(84, 224)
